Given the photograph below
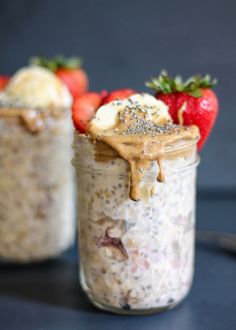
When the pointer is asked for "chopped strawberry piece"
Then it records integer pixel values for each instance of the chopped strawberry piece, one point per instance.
(118, 94)
(75, 80)
(4, 81)
(104, 94)
(107, 241)
(84, 109)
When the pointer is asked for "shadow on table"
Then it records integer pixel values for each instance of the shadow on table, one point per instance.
(52, 282)
(55, 282)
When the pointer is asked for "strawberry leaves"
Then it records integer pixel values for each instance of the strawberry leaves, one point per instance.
(192, 86)
(57, 62)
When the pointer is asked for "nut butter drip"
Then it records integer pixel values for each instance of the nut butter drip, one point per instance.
(32, 119)
(139, 141)
(161, 175)
(180, 114)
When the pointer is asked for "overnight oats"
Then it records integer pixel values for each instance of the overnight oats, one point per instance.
(136, 173)
(36, 179)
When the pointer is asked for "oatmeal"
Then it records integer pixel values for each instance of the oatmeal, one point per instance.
(136, 176)
(136, 255)
(36, 179)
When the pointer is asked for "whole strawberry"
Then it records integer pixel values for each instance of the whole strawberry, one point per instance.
(69, 70)
(190, 102)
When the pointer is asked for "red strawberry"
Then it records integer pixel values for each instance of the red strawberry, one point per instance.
(4, 81)
(118, 94)
(84, 108)
(75, 80)
(68, 70)
(194, 98)
(170, 100)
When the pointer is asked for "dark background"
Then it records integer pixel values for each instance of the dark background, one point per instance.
(124, 42)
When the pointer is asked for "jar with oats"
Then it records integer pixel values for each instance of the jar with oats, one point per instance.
(136, 257)
(36, 177)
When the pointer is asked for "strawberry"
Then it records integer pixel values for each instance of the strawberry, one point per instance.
(75, 80)
(3, 81)
(84, 108)
(86, 105)
(192, 102)
(68, 70)
(118, 94)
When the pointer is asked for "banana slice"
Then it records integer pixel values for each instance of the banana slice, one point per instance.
(143, 99)
(37, 87)
(107, 116)
(156, 110)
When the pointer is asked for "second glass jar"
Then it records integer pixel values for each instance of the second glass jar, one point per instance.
(37, 212)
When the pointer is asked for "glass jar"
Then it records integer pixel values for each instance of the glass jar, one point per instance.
(37, 213)
(135, 257)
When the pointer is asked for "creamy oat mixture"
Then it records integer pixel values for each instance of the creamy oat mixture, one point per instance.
(36, 179)
(136, 254)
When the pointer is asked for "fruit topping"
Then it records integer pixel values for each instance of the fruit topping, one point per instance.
(84, 109)
(116, 248)
(3, 81)
(69, 70)
(138, 109)
(190, 102)
(36, 87)
(118, 94)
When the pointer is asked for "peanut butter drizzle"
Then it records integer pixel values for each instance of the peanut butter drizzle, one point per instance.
(180, 114)
(32, 119)
(139, 150)
(161, 175)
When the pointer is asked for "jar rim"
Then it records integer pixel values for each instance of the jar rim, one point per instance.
(151, 174)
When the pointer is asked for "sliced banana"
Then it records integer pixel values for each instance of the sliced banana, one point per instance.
(143, 99)
(107, 116)
(156, 110)
(37, 87)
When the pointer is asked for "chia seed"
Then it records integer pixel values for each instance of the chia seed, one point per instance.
(126, 306)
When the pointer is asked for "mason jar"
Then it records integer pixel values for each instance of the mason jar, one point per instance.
(135, 257)
(37, 216)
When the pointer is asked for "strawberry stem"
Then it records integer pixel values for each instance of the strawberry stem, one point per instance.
(57, 62)
(165, 84)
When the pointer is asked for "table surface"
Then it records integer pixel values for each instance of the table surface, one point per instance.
(47, 296)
